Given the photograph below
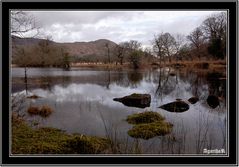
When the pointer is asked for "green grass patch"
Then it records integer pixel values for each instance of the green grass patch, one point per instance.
(26, 140)
(148, 125)
(147, 131)
(145, 117)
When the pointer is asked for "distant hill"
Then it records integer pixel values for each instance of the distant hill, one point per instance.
(88, 50)
(26, 41)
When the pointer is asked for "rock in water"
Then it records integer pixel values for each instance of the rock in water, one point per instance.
(177, 106)
(193, 100)
(212, 101)
(135, 100)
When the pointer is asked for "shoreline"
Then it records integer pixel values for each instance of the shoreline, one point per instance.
(196, 64)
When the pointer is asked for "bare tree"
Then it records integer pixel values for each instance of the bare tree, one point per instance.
(120, 51)
(164, 45)
(158, 47)
(22, 23)
(108, 51)
(44, 47)
(135, 53)
(179, 43)
(133, 45)
(168, 44)
(197, 39)
(215, 28)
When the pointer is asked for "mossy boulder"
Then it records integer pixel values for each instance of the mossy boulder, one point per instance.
(147, 131)
(148, 124)
(212, 101)
(193, 100)
(135, 100)
(145, 117)
(177, 106)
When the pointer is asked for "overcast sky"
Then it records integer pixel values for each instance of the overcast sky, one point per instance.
(118, 26)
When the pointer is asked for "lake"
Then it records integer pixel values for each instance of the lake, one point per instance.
(82, 100)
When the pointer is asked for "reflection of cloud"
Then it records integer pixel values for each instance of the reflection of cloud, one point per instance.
(91, 92)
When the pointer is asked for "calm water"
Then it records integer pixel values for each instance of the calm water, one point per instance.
(82, 100)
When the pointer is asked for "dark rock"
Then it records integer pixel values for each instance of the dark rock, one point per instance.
(172, 74)
(135, 100)
(177, 106)
(193, 100)
(213, 101)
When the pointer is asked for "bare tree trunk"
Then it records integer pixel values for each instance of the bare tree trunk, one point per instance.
(109, 54)
(25, 79)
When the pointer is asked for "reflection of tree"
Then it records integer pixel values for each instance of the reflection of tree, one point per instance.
(108, 80)
(65, 80)
(46, 82)
(216, 84)
(166, 83)
(135, 77)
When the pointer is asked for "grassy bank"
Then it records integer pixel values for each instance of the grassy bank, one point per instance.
(194, 64)
(28, 140)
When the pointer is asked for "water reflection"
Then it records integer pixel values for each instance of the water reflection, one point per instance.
(83, 103)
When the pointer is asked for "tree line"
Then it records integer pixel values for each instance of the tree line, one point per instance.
(208, 41)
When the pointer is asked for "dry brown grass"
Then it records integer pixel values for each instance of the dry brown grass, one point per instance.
(44, 111)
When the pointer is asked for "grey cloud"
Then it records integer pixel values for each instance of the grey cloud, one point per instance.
(115, 25)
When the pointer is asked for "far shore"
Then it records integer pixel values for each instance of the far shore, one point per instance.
(195, 64)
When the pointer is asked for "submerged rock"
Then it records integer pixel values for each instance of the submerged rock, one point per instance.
(177, 106)
(135, 100)
(193, 100)
(213, 101)
(172, 74)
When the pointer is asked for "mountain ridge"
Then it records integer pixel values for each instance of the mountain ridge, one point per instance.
(77, 49)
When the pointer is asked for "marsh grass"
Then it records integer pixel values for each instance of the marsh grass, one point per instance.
(43, 111)
(145, 117)
(148, 125)
(26, 140)
(150, 130)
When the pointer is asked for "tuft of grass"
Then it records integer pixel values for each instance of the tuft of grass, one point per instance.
(26, 140)
(147, 131)
(44, 111)
(33, 110)
(33, 97)
(148, 124)
(145, 117)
